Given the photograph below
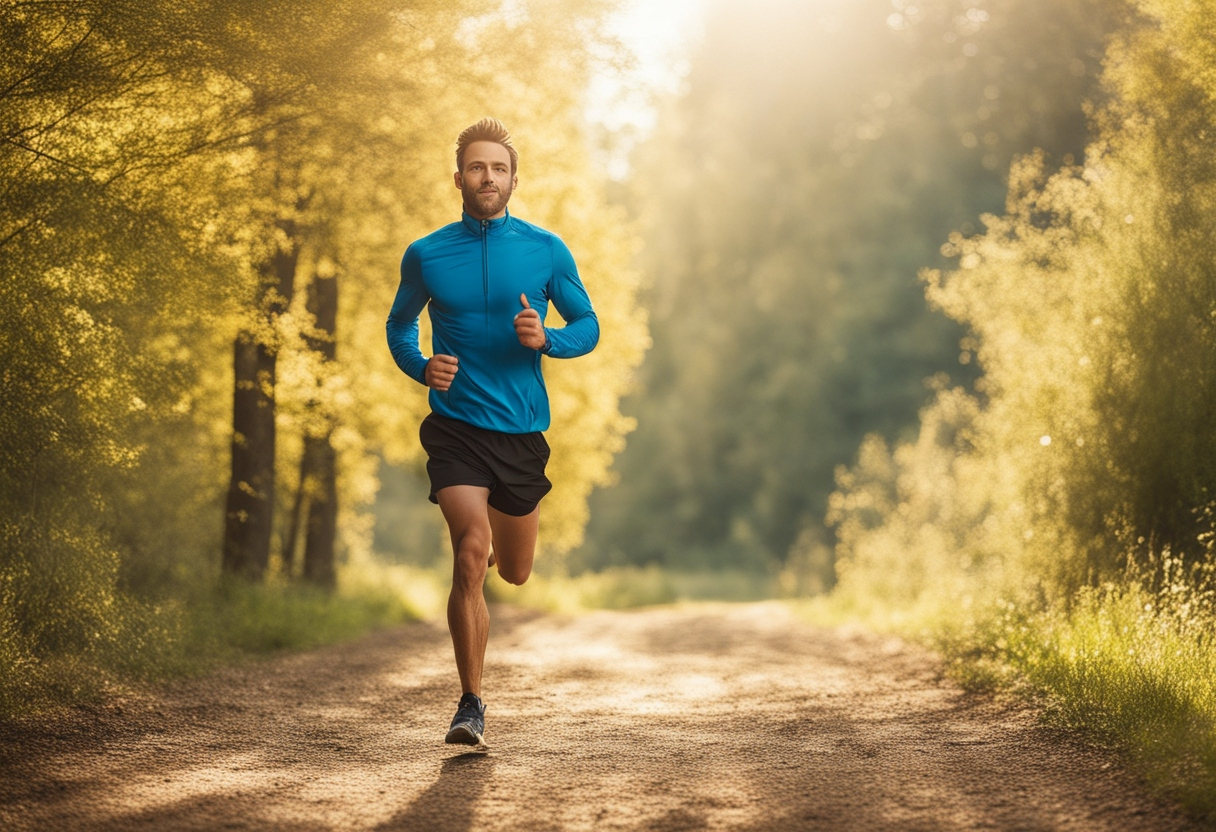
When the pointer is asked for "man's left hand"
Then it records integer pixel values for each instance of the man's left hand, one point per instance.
(528, 328)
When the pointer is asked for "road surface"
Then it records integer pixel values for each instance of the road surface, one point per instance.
(721, 717)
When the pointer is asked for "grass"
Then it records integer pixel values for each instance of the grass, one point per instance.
(247, 619)
(1130, 667)
(222, 624)
(1131, 670)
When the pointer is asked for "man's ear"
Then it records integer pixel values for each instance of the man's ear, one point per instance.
(457, 179)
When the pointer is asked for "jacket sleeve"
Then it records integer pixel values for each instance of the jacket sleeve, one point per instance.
(402, 326)
(582, 330)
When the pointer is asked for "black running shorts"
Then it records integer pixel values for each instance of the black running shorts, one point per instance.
(511, 465)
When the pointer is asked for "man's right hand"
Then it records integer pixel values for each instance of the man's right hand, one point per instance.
(440, 371)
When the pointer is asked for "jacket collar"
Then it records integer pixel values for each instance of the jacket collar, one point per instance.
(495, 227)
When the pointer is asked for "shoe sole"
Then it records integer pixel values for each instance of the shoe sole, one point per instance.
(464, 735)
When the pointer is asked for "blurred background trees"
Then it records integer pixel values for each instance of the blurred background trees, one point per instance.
(818, 158)
(1055, 526)
(1085, 456)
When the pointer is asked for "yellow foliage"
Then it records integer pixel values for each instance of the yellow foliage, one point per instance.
(142, 208)
(534, 85)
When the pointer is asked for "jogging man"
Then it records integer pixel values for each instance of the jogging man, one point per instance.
(487, 282)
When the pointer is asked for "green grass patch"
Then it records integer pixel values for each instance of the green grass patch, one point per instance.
(227, 622)
(1132, 669)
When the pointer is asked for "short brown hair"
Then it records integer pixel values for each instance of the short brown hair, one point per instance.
(486, 130)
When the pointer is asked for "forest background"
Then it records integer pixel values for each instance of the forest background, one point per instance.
(927, 289)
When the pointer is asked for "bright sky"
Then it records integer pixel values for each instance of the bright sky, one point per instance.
(659, 34)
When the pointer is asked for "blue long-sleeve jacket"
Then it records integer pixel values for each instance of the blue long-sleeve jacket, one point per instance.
(471, 273)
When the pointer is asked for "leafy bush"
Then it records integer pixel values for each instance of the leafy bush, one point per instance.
(1056, 525)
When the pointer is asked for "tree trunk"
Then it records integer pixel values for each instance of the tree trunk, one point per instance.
(249, 513)
(299, 507)
(322, 527)
(318, 469)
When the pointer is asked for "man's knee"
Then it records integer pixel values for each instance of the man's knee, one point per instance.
(472, 553)
(514, 574)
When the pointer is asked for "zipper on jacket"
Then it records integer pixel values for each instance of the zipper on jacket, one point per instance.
(485, 274)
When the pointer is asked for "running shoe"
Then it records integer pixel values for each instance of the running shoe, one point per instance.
(469, 724)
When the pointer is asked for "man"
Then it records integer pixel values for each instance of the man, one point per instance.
(487, 282)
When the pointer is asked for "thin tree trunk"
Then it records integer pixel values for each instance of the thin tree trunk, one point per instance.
(249, 513)
(322, 528)
(318, 468)
(298, 508)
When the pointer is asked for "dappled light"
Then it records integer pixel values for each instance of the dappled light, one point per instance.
(654, 699)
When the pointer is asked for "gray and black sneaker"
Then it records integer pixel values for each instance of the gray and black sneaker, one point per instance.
(469, 724)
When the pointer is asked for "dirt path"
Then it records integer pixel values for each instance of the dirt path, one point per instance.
(721, 717)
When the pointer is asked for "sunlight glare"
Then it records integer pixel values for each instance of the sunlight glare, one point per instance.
(657, 37)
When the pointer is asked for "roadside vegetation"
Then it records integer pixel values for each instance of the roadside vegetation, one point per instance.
(202, 211)
(1053, 529)
(229, 622)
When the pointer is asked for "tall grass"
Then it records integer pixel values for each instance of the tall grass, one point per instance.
(1131, 664)
(1135, 667)
(220, 623)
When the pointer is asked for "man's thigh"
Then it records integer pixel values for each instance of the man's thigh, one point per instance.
(514, 542)
(466, 510)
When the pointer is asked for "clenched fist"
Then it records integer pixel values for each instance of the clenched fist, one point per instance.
(440, 371)
(528, 328)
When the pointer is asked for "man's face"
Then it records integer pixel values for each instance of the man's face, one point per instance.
(486, 181)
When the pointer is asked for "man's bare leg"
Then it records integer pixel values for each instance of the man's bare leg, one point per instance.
(474, 527)
(466, 512)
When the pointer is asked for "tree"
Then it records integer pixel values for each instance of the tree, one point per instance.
(819, 155)
(186, 184)
(99, 255)
(299, 63)
(314, 77)
(1087, 455)
(316, 501)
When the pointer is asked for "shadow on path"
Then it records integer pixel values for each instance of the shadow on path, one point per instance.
(736, 717)
(448, 804)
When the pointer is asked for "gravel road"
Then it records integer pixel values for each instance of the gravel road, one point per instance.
(736, 717)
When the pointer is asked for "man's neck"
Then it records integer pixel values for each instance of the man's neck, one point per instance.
(478, 217)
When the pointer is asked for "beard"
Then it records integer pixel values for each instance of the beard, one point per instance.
(484, 204)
